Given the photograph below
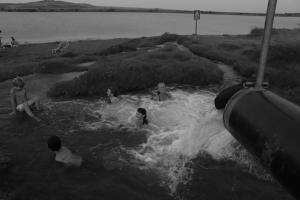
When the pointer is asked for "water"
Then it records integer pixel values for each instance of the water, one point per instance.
(47, 27)
(179, 130)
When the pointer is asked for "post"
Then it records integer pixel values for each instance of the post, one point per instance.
(196, 18)
(266, 41)
(196, 27)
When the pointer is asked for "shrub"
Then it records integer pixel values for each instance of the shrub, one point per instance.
(85, 58)
(167, 37)
(228, 46)
(245, 67)
(69, 54)
(259, 32)
(111, 50)
(140, 72)
(212, 53)
(182, 39)
(284, 79)
(57, 66)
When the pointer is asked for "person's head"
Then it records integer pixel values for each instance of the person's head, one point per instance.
(161, 87)
(54, 143)
(12, 38)
(111, 92)
(18, 82)
(141, 114)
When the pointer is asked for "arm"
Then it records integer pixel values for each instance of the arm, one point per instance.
(13, 101)
(25, 95)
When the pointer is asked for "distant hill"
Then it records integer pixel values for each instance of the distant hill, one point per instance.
(63, 6)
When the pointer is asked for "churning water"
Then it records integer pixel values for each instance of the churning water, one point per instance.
(179, 130)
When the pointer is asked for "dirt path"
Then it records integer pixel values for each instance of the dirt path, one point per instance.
(230, 77)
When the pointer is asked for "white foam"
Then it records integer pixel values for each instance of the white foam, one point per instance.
(186, 125)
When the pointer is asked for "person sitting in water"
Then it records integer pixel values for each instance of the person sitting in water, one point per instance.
(14, 42)
(141, 118)
(161, 94)
(62, 153)
(112, 95)
(20, 101)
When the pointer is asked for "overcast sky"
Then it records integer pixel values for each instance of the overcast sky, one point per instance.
(217, 5)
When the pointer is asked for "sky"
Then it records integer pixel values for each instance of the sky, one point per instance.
(214, 5)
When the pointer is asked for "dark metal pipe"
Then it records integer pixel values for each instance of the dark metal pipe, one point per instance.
(268, 126)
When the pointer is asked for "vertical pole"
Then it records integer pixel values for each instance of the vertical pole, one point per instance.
(266, 41)
(196, 27)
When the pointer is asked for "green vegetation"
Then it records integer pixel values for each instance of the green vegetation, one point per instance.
(37, 58)
(135, 44)
(140, 70)
(243, 52)
(259, 32)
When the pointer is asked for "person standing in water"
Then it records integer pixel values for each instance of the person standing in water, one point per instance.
(161, 94)
(20, 101)
(141, 118)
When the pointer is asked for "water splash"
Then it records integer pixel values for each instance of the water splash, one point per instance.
(179, 130)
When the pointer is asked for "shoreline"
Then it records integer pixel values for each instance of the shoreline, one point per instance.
(166, 12)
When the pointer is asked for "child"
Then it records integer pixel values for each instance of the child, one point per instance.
(63, 154)
(20, 101)
(111, 96)
(141, 118)
(161, 93)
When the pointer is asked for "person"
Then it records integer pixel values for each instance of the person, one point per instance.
(62, 153)
(161, 94)
(20, 101)
(141, 118)
(111, 95)
(14, 42)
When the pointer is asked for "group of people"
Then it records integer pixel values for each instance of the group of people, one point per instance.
(22, 104)
(141, 120)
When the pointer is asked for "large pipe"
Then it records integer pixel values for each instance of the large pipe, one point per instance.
(266, 41)
(268, 126)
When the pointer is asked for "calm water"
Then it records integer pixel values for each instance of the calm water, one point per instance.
(46, 27)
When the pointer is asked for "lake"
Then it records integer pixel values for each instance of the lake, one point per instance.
(48, 27)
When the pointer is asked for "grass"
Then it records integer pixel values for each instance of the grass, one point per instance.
(37, 58)
(135, 44)
(141, 70)
(243, 52)
(259, 32)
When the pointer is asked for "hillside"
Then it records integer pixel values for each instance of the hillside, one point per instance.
(63, 6)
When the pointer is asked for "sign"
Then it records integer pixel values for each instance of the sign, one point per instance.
(196, 14)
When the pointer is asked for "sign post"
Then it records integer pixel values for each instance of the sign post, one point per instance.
(196, 18)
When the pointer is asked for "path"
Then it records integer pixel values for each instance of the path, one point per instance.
(230, 77)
